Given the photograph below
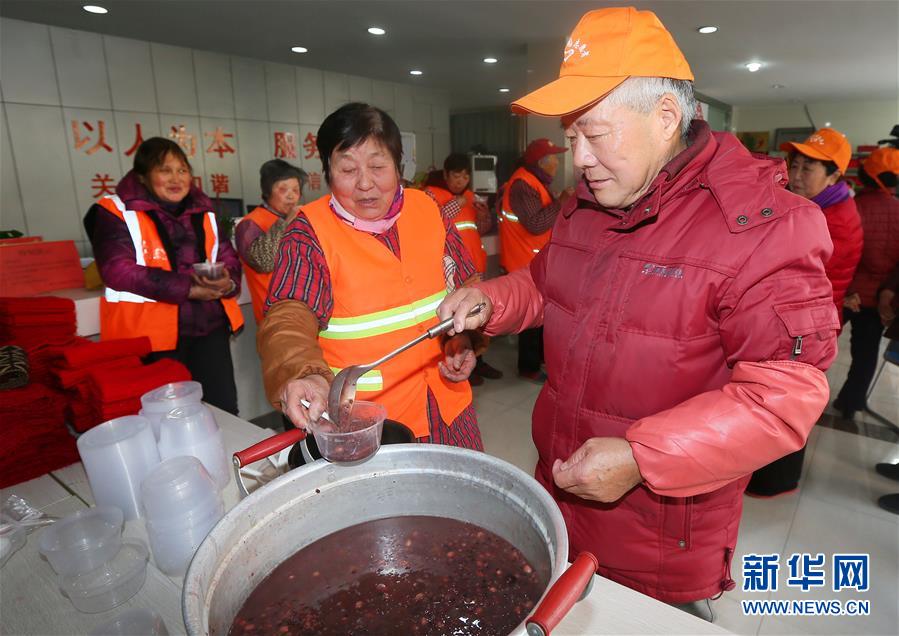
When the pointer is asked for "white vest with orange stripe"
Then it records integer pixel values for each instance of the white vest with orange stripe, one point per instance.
(382, 302)
(124, 314)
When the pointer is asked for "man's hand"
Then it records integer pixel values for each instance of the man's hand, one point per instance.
(853, 302)
(459, 304)
(460, 358)
(602, 469)
(314, 389)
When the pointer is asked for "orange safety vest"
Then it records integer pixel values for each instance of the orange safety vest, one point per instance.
(381, 302)
(466, 223)
(124, 314)
(518, 246)
(258, 281)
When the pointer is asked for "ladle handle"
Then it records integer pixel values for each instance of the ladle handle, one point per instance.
(268, 446)
(562, 596)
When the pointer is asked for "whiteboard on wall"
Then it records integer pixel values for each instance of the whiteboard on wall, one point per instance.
(410, 163)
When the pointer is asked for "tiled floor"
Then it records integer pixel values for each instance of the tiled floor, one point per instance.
(834, 509)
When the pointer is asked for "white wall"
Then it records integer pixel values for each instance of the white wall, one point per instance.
(51, 77)
(863, 121)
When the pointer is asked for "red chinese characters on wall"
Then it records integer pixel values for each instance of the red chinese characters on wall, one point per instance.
(186, 140)
(138, 140)
(83, 140)
(103, 185)
(315, 181)
(219, 144)
(220, 183)
(309, 146)
(285, 145)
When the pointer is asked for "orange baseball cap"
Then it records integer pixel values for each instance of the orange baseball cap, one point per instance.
(606, 47)
(826, 144)
(880, 161)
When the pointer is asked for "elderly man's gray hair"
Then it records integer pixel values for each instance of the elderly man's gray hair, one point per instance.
(643, 93)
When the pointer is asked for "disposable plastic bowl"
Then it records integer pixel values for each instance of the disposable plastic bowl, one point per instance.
(111, 584)
(356, 439)
(174, 548)
(172, 395)
(209, 270)
(176, 487)
(192, 430)
(117, 455)
(83, 540)
(131, 622)
(193, 518)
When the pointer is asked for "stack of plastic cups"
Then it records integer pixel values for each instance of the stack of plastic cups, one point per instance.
(97, 569)
(158, 402)
(192, 430)
(181, 504)
(117, 455)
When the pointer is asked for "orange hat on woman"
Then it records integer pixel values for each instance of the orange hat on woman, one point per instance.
(880, 161)
(826, 144)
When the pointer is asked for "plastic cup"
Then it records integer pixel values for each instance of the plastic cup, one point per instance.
(173, 548)
(192, 430)
(157, 403)
(212, 271)
(117, 455)
(357, 438)
(83, 540)
(142, 621)
(177, 488)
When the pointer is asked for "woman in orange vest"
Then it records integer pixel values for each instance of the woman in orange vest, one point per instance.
(146, 239)
(458, 204)
(259, 233)
(359, 272)
(527, 211)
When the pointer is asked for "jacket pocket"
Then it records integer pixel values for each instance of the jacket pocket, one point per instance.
(677, 522)
(809, 324)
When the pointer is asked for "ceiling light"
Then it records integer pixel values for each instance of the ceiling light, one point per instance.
(93, 8)
(705, 30)
(490, 60)
(504, 90)
(827, 124)
(377, 31)
(777, 86)
(299, 49)
(414, 71)
(752, 67)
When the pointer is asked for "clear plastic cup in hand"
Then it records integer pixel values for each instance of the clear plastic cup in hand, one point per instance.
(357, 437)
(212, 271)
(83, 540)
(192, 430)
(176, 489)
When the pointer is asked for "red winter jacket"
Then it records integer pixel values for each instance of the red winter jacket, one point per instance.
(697, 326)
(845, 229)
(879, 213)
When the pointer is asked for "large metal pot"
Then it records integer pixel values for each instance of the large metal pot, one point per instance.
(314, 501)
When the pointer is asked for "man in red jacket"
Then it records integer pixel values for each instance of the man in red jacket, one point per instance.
(687, 317)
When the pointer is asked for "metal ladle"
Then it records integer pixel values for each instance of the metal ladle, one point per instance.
(343, 388)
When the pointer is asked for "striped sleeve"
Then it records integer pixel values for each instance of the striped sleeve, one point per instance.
(456, 251)
(301, 271)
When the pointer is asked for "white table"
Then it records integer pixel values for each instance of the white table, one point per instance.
(31, 603)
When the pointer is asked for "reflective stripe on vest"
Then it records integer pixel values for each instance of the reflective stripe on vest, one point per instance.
(383, 322)
(466, 225)
(509, 216)
(369, 381)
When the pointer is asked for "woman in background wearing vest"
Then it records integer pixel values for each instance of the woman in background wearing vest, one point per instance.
(153, 291)
(459, 205)
(258, 234)
(360, 272)
(526, 216)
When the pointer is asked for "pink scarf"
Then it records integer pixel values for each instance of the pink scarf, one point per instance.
(375, 227)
